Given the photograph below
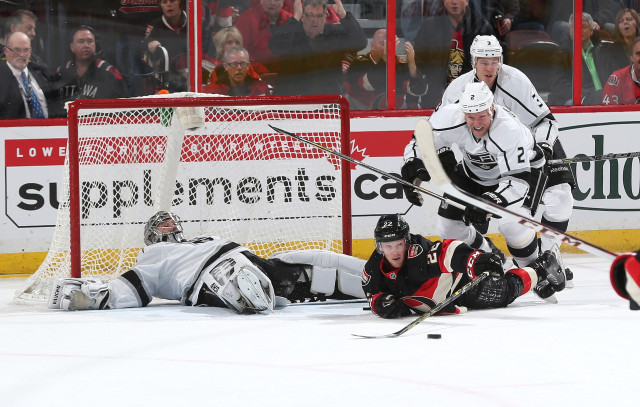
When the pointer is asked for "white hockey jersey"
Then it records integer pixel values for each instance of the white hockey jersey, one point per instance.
(500, 158)
(513, 90)
(170, 271)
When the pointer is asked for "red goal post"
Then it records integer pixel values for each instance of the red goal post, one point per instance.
(213, 161)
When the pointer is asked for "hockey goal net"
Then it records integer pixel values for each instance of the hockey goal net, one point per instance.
(213, 161)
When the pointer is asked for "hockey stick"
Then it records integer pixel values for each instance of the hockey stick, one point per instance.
(438, 307)
(610, 156)
(426, 147)
(367, 166)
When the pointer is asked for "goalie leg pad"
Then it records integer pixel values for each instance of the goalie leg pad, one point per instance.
(328, 270)
(241, 285)
(74, 294)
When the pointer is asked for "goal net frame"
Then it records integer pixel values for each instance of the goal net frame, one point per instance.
(189, 113)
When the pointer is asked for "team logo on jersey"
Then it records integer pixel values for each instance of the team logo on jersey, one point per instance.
(613, 80)
(415, 250)
(365, 277)
(483, 161)
(392, 276)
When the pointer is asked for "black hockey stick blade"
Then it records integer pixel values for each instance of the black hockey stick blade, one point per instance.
(610, 156)
(433, 311)
(369, 167)
(426, 147)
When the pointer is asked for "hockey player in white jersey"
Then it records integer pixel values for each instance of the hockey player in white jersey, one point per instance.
(513, 89)
(209, 271)
(497, 151)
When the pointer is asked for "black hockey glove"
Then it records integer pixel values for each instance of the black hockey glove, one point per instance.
(447, 159)
(479, 262)
(475, 215)
(546, 150)
(386, 305)
(412, 171)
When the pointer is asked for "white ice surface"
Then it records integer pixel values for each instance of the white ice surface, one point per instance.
(581, 352)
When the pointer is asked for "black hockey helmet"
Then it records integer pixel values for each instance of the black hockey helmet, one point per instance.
(390, 228)
(153, 235)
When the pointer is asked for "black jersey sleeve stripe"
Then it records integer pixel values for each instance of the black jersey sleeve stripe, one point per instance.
(134, 281)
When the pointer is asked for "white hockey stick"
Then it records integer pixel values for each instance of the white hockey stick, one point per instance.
(426, 147)
(374, 169)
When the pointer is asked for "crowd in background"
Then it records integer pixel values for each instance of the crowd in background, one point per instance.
(55, 51)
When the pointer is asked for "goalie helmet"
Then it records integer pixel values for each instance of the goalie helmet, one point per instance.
(485, 46)
(476, 97)
(152, 234)
(390, 228)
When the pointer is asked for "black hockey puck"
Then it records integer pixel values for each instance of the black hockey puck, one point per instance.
(434, 336)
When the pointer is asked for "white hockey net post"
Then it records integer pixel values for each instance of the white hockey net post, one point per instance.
(223, 170)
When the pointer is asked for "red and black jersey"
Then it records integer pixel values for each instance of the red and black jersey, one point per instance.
(430, 274)
(622, 88)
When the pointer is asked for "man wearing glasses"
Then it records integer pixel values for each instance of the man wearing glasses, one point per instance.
(311, 51)
(237, 79)
(21, 89)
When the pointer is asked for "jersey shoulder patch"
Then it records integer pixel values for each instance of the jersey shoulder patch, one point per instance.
(613, 80)
(414, 250)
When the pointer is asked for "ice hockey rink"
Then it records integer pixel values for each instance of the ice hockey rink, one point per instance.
(582, 351)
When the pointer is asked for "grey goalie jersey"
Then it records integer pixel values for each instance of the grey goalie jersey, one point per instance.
(170, 271)
(513, 90)
(501, 158)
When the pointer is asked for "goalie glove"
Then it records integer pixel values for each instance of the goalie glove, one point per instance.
(477, 216)
(625, 278)
(386, 305)
(479, 262)
(414, 172)
(73, 294)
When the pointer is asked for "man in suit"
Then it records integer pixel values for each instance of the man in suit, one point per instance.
(22, 90)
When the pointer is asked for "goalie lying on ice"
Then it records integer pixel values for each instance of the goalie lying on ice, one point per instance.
(408, 273)
(209, 271)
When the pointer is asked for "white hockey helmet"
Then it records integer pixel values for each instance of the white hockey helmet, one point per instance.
(485, 46)
(476, 97)
(153, 235)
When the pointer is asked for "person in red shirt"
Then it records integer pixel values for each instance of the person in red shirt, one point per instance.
(237, 79)
(623, 86)
(256, 26)
(625, 278)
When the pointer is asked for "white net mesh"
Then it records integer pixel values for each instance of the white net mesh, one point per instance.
(232, 176)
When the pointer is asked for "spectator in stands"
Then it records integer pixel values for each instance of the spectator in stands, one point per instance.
(22, 90)
(223, 40)
(311, 51)
(594, 71)
(86, 76)
(165, 46)
(623, 86)
(627, 28)
(25, 22)
(602, 11)
(501, 14)
(236, 79)
(367, 77)
(442, 46)
(256, 26)
(225, 13)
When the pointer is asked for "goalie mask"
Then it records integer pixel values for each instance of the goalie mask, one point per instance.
(476, 97)
(163, 227)
(485, 46)
(390, 228)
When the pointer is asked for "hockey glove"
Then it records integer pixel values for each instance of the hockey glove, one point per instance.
(386, 305)
(475, 215)
(447, 159)
(479, 262)
(546, 150)
(413, 171)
